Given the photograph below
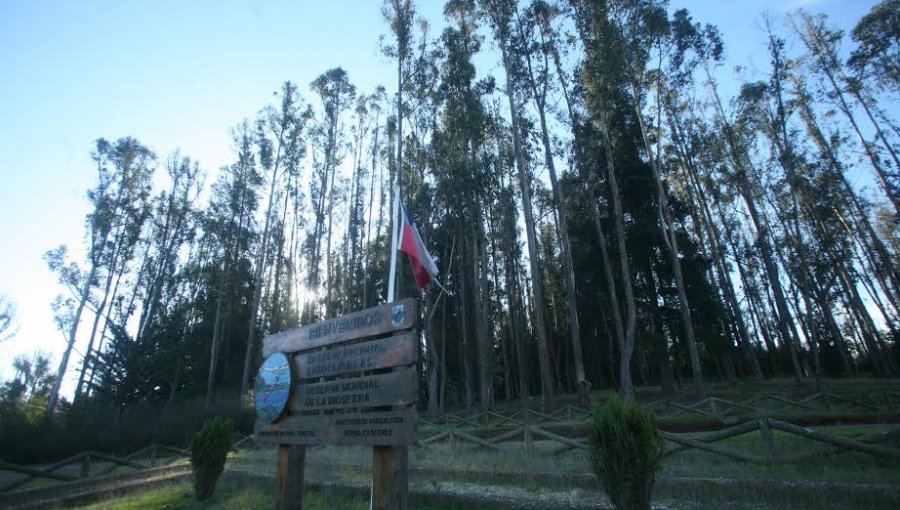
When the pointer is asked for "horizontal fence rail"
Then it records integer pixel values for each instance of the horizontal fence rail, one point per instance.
(492, 429)
(713, 408)
(91, 463)
(488, 429)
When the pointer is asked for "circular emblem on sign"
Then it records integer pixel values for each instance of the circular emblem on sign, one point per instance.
(397, 315)
(273, 384)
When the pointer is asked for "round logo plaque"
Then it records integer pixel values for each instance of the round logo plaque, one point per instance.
(273, 386)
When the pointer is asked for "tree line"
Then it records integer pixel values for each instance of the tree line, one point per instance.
(603, 214)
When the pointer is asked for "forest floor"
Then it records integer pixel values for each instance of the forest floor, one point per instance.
(447, 475)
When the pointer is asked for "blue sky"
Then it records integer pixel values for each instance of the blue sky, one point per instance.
(178, 75)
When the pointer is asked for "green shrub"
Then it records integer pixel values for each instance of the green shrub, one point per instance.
(209, 448)
(624, 450)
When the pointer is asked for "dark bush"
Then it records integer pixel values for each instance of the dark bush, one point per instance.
(624, 450)
(94, 425)
(209, 448)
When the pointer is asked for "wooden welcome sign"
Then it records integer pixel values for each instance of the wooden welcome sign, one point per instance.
(350, 380)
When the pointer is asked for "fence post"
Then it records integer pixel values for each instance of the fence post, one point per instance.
(153, 454)
(86, 465)
(766, 432)
(529, 440)
(712, 406)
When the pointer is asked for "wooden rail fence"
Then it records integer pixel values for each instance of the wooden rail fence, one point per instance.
(527, 433)
(144, 458)
(712, 408)
(489, 429)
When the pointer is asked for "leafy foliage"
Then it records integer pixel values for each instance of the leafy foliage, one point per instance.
(209, 449)
(624, 451)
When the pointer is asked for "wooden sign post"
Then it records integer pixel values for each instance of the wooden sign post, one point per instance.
(353, 381)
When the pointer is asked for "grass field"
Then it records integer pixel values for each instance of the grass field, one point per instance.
(692, 479)
(234, 495)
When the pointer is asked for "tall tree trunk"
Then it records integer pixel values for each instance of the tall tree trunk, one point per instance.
(214, 346)
(533, 251)
(705, 225)
(258, 280)
(626, 348)
(668, 231)
(785, 322)
(539, 95)
(53, 399)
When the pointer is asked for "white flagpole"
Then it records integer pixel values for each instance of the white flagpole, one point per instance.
(395, 234)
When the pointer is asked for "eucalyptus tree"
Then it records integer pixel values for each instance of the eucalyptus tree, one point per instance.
(774, 123)
(373, 244)
(549, 19)
(877, 55)
(739, 136)
(229, 228)
(354, 236)
(529, 45)
(171, 228)
(457, 141)
(831, 151)
(689, 154)
(8, 325)
(119, 199)
(280, 148)
(823, 45)
(602, 79)
(421, 111)
(675, 47)
(501, 14)
(154, 286)
(336, 95)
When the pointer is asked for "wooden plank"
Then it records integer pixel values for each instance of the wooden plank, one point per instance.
(289, 477)
(851, 401)
(506, 435)
(718, 450)
(371, 428)
(390, 389)
(559, 439)
(873, 438)
(436, 437)
(36, 473)
(733, 404)
(472, 439)
(390, 477)
(373, 321)
(116, 460)
(719, 435)
(504, 418)
(370, 355)
(835, 440)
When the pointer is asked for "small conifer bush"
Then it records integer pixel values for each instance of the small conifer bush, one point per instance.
(624, 450)
(209, 448)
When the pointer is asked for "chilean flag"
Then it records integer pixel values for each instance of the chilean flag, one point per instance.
(423, 268)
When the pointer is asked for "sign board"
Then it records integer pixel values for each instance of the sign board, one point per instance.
(353, 380)
(368, 323)
(350, 380)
